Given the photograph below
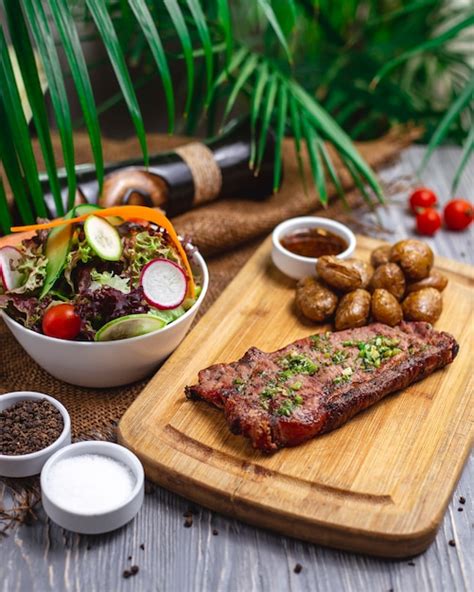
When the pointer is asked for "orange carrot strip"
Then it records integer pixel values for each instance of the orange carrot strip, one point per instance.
(125, 212)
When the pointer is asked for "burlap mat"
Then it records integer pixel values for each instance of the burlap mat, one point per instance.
(229, 230)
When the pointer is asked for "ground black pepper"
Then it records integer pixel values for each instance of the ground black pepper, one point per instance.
(460, 510)
(412, 563)
(451, 543)
(134, 569)
(215, 532)
(29, 426)
(298, 568)
(462, 500)
(142, 546)
(188, 522)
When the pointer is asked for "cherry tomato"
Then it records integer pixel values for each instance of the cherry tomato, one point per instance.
(428, 221)
(61, 321)
(458, 214)
(421, 198)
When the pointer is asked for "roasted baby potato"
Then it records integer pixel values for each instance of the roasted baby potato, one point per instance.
(385, 308)
(380, 255)
(343, 274)
(389, 277)
(423, 305)
(435, 280)
(315, 300)
(414, 257)
(353, 310)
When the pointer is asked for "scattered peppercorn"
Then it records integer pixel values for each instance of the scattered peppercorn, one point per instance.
(462, 500)
(215, 532)
(460, 510)
(126, 574)
(411, 563)
(129, 557)
(134, 569)
(29, 426)
(142, 546)
(297, 569)
(451, 543)
(188, 522)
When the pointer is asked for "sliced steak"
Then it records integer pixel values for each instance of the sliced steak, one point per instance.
(316, 384)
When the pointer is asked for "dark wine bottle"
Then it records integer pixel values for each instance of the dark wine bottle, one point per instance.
(177, 181)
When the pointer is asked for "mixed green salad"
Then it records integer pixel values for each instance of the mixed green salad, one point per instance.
(98, 277)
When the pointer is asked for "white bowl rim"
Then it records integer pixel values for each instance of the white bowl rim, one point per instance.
(205, 277)
(36, 396)
(294, 223)
(101, 446)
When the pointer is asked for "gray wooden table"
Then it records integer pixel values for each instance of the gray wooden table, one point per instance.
(220, 554)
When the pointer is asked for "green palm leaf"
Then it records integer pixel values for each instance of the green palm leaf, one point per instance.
(179, 23)
(468, 151)
(296, 128)
(200, 20)
(272, 19)
(279, 135)
(262, 79)
(272, 89)
(72, 47)
(428, 45)
(19, 128)
(149, 29)
(44, 40)
(104, 24)
(246, 70)
(466, 97)
(315, 161)
(5, 217)
(9, 160)
(324, 122)
(26, 61)
(226, 21)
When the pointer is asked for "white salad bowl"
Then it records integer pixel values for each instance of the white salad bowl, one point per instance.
(109, 363)
(297, 266)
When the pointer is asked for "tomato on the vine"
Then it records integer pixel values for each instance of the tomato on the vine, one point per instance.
(458, 214)
(422, 198)
(61, 321)
(428, 221)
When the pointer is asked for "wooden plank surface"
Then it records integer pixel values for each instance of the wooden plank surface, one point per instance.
(365, 487)
(243, 558)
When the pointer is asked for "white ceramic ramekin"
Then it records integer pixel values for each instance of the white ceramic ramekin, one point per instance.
(297, 266)
(97, 523)
(109, 363)
(25, 465)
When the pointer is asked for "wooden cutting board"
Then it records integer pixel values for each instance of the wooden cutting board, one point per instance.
(378, 485)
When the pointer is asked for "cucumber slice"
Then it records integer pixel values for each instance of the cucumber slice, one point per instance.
(82, 209)
(103, 238)
(58, 245)
(129, 326)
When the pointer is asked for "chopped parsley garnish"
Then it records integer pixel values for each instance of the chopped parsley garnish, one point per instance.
(295, 363)
(344, 377)
(373, 352)
(339, 356)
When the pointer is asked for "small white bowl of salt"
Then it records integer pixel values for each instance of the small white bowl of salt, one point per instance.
(92, 487)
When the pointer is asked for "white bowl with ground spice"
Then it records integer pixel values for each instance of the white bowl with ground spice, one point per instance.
(33, 426)
(92, 487)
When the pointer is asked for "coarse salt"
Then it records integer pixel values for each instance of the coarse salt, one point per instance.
(90, 483)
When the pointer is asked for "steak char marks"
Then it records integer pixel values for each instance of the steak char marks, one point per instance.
(316, 384)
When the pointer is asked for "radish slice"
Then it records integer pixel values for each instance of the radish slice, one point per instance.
(164, 283)
(9, 258)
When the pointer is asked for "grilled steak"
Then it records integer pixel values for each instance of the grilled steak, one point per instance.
(316, 384)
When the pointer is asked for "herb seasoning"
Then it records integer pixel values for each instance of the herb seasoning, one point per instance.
(29, 426)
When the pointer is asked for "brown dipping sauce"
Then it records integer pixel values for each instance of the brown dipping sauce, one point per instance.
(314, 242)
